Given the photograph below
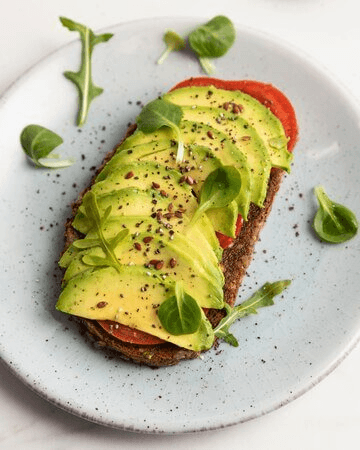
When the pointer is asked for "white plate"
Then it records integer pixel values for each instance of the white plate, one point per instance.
(284, 350)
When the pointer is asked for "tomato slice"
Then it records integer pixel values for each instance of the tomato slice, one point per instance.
(127, 334)
(281, 107)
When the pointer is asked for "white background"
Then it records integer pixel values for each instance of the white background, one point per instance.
(327, 417)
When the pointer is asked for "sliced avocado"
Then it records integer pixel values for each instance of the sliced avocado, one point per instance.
(144, 175)
(205, 145)
(144, 172)
(201, 280)
(131, 298)
(202, 235)
(267, 125)
(133, 201)
(246, 140)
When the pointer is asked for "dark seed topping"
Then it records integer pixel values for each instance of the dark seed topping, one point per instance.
(101, 304)
(210, 134)
(129, 175)
(172, 262)
(190, 180)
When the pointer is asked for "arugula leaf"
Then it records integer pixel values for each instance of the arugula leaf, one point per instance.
(333, 223)
(160, 113)
(261, 298)
(83, 78)
(219, 189)
(38, 143)
(108, 246)
(173, 42)
(212, 40)
(180, 314)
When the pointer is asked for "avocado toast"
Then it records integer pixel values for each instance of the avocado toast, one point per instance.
(132, 244)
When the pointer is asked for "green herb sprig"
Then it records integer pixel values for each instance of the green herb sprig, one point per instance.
(333, 223)
(219, 189)
(180, 314)
(160, 113)
(212, 40)
(261, 298)
(38, 144)
(83, 78)
(108, 246)
(173, 42)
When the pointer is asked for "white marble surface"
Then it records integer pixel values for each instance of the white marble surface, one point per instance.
(326, 417)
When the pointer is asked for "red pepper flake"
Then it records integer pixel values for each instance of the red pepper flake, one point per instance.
(101, 304)
(129, 175)
(155, 185)
(226, 106)
(210, 134)
(147, 239)
(137, 246)
(164, 194)
(190, 180)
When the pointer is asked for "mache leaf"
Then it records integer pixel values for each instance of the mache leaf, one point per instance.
(212, 40)
(173, 42)
(260, 299)
(83, 78)
(220, 188)
(38, 143)
(333, 222)
(180, 314)
(160, 113)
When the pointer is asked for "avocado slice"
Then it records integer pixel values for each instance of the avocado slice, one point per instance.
(258, 116)
(132, 201)
(131, 298)
(201, 279)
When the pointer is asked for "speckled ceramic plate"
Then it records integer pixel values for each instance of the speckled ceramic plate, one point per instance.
(285, 349)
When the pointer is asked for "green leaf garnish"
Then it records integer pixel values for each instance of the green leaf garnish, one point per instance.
(333, 222)
(38, 143)
(92, 213)
(180, 314)
(83, 78)
(173, 42)
(160, 113)
(261, 298)
(212, 40)
(219, 189)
